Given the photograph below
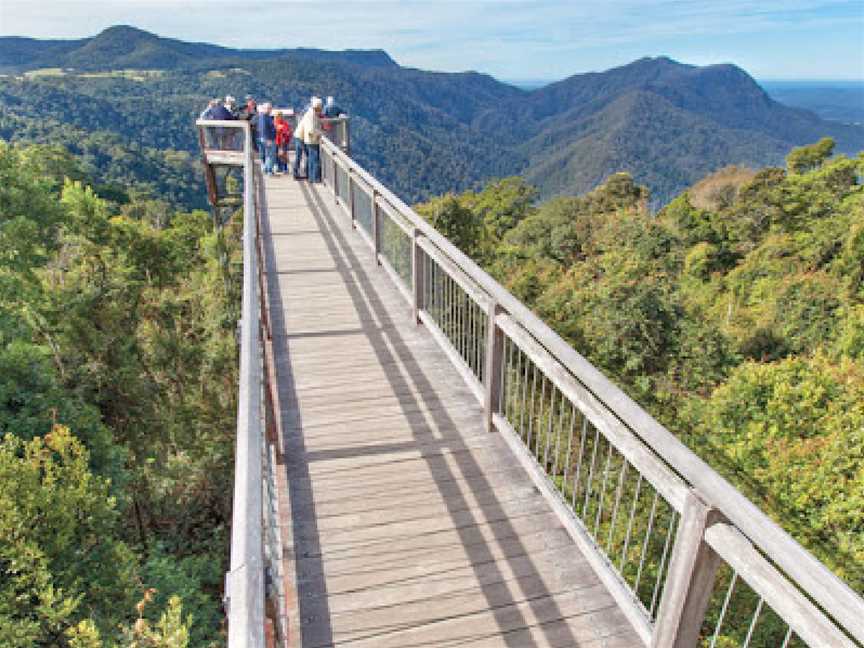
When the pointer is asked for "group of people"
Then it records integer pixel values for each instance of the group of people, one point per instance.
(272, 133)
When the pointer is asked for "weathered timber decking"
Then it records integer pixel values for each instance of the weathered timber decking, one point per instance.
(409, 524)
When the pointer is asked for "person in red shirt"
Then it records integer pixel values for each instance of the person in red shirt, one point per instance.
(283, 141)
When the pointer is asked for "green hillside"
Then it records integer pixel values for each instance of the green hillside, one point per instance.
(425, 133)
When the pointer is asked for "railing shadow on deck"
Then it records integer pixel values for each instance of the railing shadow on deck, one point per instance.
(705, 539)
(694, 559)
(390, 347)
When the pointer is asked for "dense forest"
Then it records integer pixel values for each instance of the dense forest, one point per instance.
(735, 316)
(117, 405)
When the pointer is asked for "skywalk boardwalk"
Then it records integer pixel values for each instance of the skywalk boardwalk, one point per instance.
(409, 523)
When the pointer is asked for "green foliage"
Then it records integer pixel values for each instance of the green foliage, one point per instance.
(738, 323)
(119, 326)
(795, 429)
(456, 222)
(61, 556)
(807, 158)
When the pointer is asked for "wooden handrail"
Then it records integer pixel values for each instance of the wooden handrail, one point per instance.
(245, 582)
(813, 577)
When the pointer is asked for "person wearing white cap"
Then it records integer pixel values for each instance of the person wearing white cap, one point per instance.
(309, 130)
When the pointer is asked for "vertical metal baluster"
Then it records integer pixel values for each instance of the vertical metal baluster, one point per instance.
(460, 321)
(451, 318)
(590, 480)
(506, 379)
(521, 401)
(567, 455)
(516, 383)
(429, 286)
(442, 316)
(445, 301)
(472, 340)
(454, 315)
(457, 323)
(621, 478)
(478, 358)
(464, 301)
(787, 638)
(506, 376)
(562, 409)
(645, 545)
(577, 475)
(723, 609)
(549, 430)
(539, 429)
(525, 395)
(602, 495)
(754, 622)
(504, 401)
(436, 291)
(630, 523)
(672, 519)
(428, 275)
(531, 411)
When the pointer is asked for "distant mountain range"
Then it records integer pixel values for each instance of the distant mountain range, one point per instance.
(835, 100)
(426, 132)
(125, 47)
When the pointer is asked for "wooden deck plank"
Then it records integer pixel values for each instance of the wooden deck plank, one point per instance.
(412, 525)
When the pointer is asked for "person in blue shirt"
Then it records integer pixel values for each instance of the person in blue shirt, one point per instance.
(226, 136)
(210, 140)
(207, 113)
(267, 137)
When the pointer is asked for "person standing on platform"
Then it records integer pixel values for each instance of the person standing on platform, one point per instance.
(249, 113)
(207, 113)
(210, 140)
(310, 130)
(267, 137)
(225, 136)
(300, 148)
(283, 141)
(331, 108)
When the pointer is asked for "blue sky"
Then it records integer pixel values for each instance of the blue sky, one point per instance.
(511, 39)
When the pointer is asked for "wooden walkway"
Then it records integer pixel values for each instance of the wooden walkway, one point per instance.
(410, 525)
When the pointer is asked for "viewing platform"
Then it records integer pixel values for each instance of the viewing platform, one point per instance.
(422, 462)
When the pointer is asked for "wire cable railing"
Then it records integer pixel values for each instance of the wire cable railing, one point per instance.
(687, 557)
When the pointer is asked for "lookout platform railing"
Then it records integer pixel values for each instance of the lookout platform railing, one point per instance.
(254, 587)
(687, 557)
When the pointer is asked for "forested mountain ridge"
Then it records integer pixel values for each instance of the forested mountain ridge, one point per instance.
(123, 46)
(424, 133)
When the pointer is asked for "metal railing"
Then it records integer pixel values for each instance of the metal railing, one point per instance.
(254, 586)
(686, 556)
